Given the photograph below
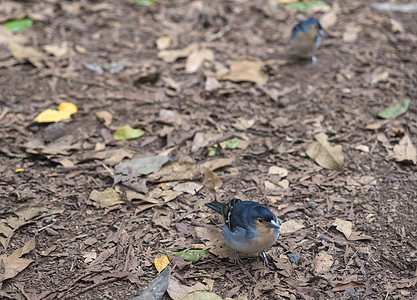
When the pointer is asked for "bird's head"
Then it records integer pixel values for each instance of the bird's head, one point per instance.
(264, 220)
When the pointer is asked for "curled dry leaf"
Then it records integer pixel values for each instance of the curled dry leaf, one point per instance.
(23, 54)
(14, 264)
(327, 156)
(324, 262)
(405, 151)
(105, 117)
(172, 55)
(196, 58)
(344, 227)
(274, 170)
(245, 71)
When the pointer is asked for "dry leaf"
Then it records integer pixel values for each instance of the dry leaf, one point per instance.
(161, 263)
(351, 33)
(274, 170)
(245, 71)
(23, 54)
(90, 256)
(211, 181)
(172, 55)
(291, 226)
(14, 264)
(324, 262)
(105, 117)
(202, 295)
(212, 84)
(196, 58)
(188, 187)
(106, 198)
(216, 164)
(163, 42)
(204, 139)
(328, 19)
(56, 50)
(243, 124)
(212, 238)
(405, 151)
(380, 74)
(178, 291)
(344, 227)
(362, 148)
(327, 156)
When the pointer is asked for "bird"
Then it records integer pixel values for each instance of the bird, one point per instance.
(249, 227)
(306, 38)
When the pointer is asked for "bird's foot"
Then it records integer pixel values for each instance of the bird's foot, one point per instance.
(266, 263)
(238, 260)
(314, 60)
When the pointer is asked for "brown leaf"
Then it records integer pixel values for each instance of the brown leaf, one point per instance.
(14, 264)
(291, 226)
(163, 42)
(105, 117)
(196, 58)
(23, 54)
(329, 157)
(106, 198)
(245, 71)
(211, 181)
(177, 291)
(216, 164)
(324, 262)
(172, 55)
(343, 226)
(204, 139)
(405, 151)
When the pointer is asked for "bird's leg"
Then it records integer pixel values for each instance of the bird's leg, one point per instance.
(266, 263)
(238, 260)
(314, 60)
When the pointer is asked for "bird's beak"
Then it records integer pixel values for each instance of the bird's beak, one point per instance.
(273, 224)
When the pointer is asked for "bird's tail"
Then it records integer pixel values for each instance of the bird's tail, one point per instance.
(216, 206)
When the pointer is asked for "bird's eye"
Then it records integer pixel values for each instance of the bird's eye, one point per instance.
(260, 220)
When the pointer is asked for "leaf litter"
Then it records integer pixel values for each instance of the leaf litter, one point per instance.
(272, 107)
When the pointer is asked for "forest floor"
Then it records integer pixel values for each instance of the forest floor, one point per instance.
(347, 234)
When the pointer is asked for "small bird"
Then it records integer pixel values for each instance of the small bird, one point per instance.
(306, 38)
(249, 227)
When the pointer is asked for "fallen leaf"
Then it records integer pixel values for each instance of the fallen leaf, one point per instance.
(132, 169)
(216, 164)
(17, 26)
(145, 2)
(106, 198)
(245, 71)
(126, 133)
(14, 264)
(196, 58)
(274, 170)
(204, 139)
(56, 50)
(105, 117)
(213, 239)
(308, 5)
(362, 148)
(377, 125)
(344, 227)
(188, 187)
(329, 157)
(228, 144)
(211, 181)
(163, 42)
(90, 256)
(161, 263)
(23, 54)
(328, 20)
(342, 287)
(172, 55)
(190, 254)
(395, 110)
(243, 124)
(162, 217)
(202, 295)
(175, 171)
(64, 111)
(351, 33)
(212, 84)
(379, 75)
(405, 151)
(324, 262)
(291, 226)
(178, 291)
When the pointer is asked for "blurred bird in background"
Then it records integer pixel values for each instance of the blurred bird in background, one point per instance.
(249, 227)
(306, 38)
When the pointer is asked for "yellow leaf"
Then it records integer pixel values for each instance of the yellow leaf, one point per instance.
(19, 170)
(65, 110)
(161, 263)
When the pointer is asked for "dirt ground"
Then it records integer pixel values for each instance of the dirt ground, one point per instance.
(87, 250)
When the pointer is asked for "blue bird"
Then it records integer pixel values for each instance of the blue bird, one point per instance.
(249, 227)
(306, 38)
